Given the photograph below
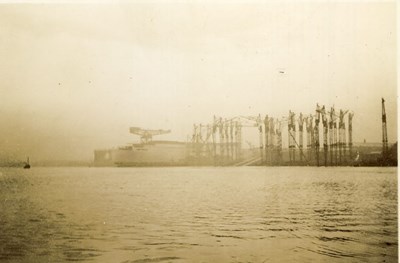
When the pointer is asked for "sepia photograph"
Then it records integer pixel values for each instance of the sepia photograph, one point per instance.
(198, 131)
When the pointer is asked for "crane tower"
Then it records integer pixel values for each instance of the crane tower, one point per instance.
(385, 150)
(146, 136)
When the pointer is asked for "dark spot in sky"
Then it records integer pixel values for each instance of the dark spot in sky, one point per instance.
(59, 83)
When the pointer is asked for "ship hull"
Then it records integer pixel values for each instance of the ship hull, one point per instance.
(151, 154)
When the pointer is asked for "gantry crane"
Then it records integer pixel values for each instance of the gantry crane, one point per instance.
(256, 121)
(229, 131)
(273, 140)
(146, 136)
(230, 137)
(341, 145)
(228, 145)
(201, 144)
(291, 122)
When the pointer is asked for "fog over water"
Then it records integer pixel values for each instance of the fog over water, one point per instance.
(75, 77)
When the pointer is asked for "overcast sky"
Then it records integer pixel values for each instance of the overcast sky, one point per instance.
(75, 77)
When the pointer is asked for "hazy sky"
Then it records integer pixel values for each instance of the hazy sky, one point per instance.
(75, 77)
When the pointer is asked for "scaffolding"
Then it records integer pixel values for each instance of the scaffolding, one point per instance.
(220, 142)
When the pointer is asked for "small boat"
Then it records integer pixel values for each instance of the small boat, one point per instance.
(27, 165)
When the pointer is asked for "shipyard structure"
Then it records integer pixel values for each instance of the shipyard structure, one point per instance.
(145, 153)
(321, 138)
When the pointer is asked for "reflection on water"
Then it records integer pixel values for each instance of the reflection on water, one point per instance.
(249, 214)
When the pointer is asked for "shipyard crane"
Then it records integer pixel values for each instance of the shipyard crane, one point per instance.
(291, 122)
(310, 135)
(316, 132)
(230, 137)
(385, 149)
(256, 121)
(333, 132)
(292, 136)
(342, 135)
(350, 131)
(300, 121)
(146, 136)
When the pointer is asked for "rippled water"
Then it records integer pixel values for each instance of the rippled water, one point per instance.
(246, 214)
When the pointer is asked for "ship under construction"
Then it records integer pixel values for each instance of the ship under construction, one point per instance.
(145, 153)
(322, 138)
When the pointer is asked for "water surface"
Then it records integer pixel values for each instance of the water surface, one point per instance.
(245, 214)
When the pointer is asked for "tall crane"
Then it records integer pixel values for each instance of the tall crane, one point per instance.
(350, 116)
(316, 132)
(342, 136)
(301, 123)
(310, 135)
(321, 112)
(385, 149)
(146, 136)
(333, 135)
(267, 139)
(292, 136)
(229, 138)
(256, 121)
